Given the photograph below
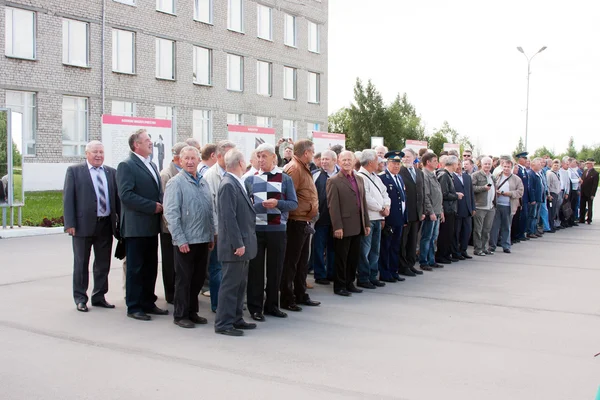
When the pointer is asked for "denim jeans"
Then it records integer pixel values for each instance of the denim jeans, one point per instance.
(429, 233)
(533, 217)
(323, 244)
(215, 275)
(368, 266)
(502, 225)
(544, 217)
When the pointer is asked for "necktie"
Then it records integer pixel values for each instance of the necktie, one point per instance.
(412, 174)
(101, 193)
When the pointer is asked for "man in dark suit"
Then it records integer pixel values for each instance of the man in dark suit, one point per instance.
(415, 195)
(523, 223)
(463, 224)
(535, 196)
(141, 205)
(91, 210)
(349, 221)
(236, 245)
(160, 146)
(588, 191)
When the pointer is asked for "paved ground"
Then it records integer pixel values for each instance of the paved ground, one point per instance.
(519, 326)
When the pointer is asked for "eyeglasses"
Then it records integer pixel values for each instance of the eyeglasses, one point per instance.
(466, 155)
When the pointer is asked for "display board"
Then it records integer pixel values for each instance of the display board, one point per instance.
(416, 145)
(247, 138)
(452, 146)
(324, 140)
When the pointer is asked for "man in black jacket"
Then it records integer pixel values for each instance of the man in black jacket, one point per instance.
(463, 223)
(446, 237)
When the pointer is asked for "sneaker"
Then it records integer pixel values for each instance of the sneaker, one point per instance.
(489, 252)
(479, 253)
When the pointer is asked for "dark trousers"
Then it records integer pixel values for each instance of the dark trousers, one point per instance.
(462, 232)
(408, 248)
(168, 265)
(295, 264)
(446, 237)
(574, 197)
(586, 204)
(273, 244)
(523, 218)
(82, 247)
(389, 254)
(231, 295)
(516, 221)
(347, 254)
(142, 267)
(190, 272)
(553, 210)
(322, 254)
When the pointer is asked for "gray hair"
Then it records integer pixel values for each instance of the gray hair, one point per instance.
(177, 147)
(442, 159)
(92, 143)
(233, 158)
(367, 157)
(566, 159)
(453, 153)
(385, 149)
(187, 148)
(265, 147)
(193, 142)
(329, 153)
(507, 160)
(409, 150)
(451, 160)
(224, 146)
(357, 155)
(486, 159)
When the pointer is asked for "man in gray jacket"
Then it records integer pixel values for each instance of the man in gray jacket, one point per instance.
(434, 213)
(485, 200)
(189, 215)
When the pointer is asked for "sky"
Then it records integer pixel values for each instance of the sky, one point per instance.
(458, 61)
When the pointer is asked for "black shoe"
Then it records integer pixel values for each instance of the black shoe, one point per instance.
(311, 303)
(425, 267)
(466, 255)
(407, 272)
(184, 323)
(292, 307)
(140, 316)
(322, 281)
(352, 289)
(196, 319)
(399, 278)
(366, 285)
(157, 311)
(442, 260)
(378, 283)
(276, 312)
(244, 325)
(524, 239)
(436, 265)
(82, 307)
(231, 332)
(257, 316)
(416, 271)
(551, 231)
(102, 303)
(389, 280)
(342, 292)
(454, 259)
(589, 222)
(458, 257)
(507, 251)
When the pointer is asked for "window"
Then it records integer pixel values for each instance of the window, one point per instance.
(289, 83)
(24, 103)
(129, 2)
(235, 119)
(265, 22)
(165, 60)
(75, 43)
(202, 126)
(19, 33)
(290, 129)
(263, 78)
(203, 11)
(235, 15)
(123, 51)
(264, 122)
(312, 127)
(290, 30)
(167, 6)
(74, 125)
(235, 73)
(123, 108)
(202, 66)
(313, 87)
(166, 112)
(313, 37)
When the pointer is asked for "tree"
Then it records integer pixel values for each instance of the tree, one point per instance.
(543, 151)
(520, 148)
(404, 123)
(571, 150)
(368, 117)
(339, 121)
(436, 142)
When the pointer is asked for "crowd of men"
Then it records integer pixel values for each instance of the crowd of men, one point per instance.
(357, 220)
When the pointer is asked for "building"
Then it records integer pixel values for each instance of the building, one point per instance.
(201, 63)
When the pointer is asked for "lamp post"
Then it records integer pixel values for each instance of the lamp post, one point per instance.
(528, 75)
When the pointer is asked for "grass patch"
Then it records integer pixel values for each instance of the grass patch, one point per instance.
(43, 209)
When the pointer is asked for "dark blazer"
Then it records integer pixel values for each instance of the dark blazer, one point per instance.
(466, 205)
(139, 193)
(590, 183)
(237, 221)
(448, 191)
(398, 216)
(525, 178)
(320, 177)
(80, 202)
(415, 193)
(536, 188)
(343, 210)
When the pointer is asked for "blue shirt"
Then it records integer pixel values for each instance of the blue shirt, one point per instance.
(95, 173)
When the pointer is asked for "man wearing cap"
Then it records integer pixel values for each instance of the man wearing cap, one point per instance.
(389, 259)
(522, 160)
(588, 191)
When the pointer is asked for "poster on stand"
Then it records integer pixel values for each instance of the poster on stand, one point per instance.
(452, 146)
(416, 145)
(247, 138)
(324, 140)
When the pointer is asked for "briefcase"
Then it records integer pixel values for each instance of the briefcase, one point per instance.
(567, 211)
(120, 250)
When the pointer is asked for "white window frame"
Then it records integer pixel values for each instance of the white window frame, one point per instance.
(268, 124)
(317, 41)
(26, 106)
(294, 83)
(12, 32)
(159, 54)
(293, 41)
(230, 16)
(169, 9)
(79, 144)
(68, 25)
(124, 105)
(314, 94)
(260, 9)
(167, 112)
(259, 82)
(210, 11)
(202, 119)
(230, 59)
(312, 127)
(290, 131)
(128, 2)
(116, 64)
(235, 119)
(208, 81)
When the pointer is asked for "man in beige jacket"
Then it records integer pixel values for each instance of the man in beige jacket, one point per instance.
(509, 189)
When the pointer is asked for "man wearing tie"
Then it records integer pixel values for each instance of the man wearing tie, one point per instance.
(588, 191)
(91, 210)
(141, 195)
(522, 160)
(463, 223)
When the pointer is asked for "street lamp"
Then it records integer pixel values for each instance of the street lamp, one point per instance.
(528, 74)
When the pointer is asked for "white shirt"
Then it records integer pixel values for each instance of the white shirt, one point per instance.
(240, 180)
(147, 162)
(376, 194)
(95, 173)
(490, 194)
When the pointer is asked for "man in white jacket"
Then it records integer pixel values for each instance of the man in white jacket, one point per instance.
(378, 205)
